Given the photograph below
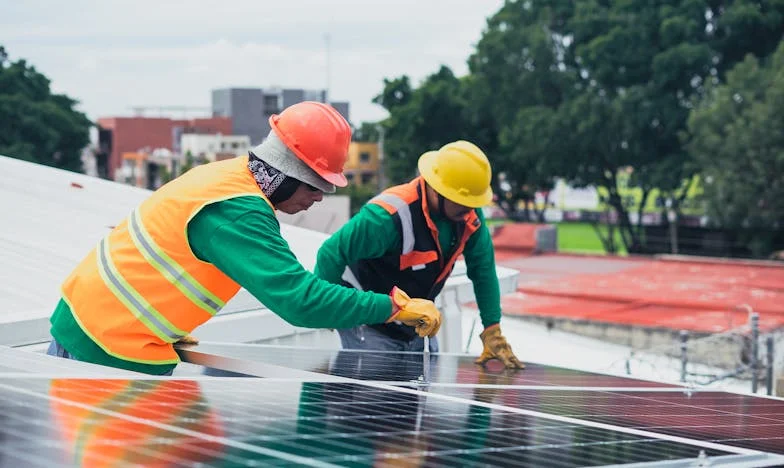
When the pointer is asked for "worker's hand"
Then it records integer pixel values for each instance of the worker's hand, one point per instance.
(496, 347)
(187, 339)
(418, 313)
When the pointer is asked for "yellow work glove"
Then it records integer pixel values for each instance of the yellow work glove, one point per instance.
(418, 313)
(187, 339)
(496, 347)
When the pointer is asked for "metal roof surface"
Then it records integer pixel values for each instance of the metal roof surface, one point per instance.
(51, 218)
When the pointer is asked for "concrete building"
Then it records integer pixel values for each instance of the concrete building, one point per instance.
(148, 169)
(251, 108)
(244, 107)
(214, 147)
(342, 107)
(118, 135)
(363, 163)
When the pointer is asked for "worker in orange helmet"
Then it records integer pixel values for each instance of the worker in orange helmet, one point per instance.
(410, 236)
(188, 248)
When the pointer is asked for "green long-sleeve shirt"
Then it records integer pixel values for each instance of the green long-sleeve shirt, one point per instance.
(241, 236)
(372, 233)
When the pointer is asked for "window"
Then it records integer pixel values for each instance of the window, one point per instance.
(271, 104)
(364, 157)
(367, 177)
(349, 177)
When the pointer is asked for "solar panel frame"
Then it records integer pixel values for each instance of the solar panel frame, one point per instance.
(399, 367)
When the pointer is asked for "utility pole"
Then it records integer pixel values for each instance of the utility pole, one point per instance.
(326, 43)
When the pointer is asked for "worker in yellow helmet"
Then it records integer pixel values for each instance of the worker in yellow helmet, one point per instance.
(410, 236)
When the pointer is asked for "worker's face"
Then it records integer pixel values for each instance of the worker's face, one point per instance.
(305, 196)
(453, 211)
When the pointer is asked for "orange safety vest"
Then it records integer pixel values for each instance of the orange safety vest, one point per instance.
(93, 415)
(142, 288)
(422, 266)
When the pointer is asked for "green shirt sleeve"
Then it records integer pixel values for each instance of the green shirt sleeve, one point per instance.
(480, 268)
(241, 236)
(371, 233)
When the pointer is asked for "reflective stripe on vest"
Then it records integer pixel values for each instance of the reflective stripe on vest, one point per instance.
(404, 212)
(407, 203)
(131, 298)
(170, 269)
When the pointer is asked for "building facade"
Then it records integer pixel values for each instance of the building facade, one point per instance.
(243, 106)
(251, 108)
(363, 164)
(118, 135)
(147, 169)
(214, 147)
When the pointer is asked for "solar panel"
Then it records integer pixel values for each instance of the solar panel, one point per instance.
(346, 408)
(740, 420)
(274, 422)
(613, 402)
(271, 361)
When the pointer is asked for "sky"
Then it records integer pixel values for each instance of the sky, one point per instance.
(112, 55)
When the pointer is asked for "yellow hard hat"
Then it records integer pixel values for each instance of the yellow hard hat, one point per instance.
(460, 172)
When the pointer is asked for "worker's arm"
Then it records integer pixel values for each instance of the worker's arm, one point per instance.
(480, 268)
(241, 237)
(371, 233)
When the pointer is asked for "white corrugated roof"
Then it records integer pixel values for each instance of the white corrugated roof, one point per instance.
(48, 225)
(51, 218)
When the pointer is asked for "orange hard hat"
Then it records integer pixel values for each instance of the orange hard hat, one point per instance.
(318, 135)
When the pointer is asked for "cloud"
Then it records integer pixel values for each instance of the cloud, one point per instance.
(118, 54)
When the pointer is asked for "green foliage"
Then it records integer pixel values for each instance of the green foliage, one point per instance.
(36, 125)
(737, 141)
(422, 120)
(585, 91)
(367, 133)
(190, 162)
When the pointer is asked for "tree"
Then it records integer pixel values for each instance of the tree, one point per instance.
(609, 86)
(366, 133)
(36, 125)
(422, 119)
(522, 163)
(736, 139)
(515, 87)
